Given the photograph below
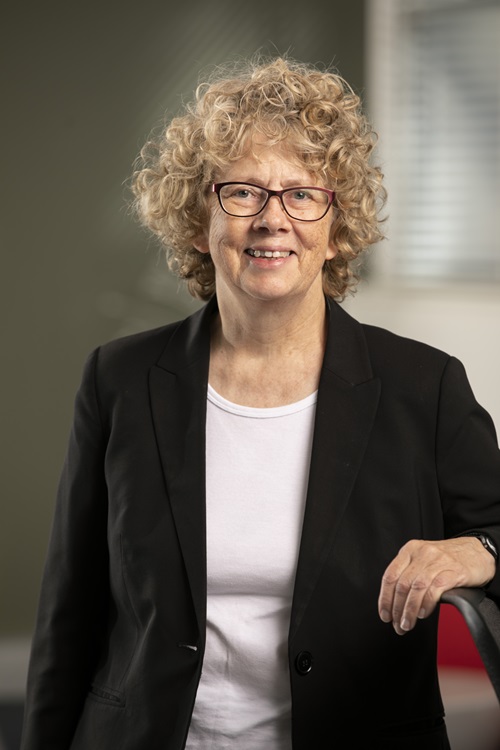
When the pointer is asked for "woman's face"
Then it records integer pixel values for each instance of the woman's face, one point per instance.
(233, 241)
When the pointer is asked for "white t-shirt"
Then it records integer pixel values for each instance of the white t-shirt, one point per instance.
(257, 464)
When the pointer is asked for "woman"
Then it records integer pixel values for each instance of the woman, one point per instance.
(251, 495)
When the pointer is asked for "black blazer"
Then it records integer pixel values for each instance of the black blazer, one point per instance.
(401, 450)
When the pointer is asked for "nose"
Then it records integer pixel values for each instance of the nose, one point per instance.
(273, 216)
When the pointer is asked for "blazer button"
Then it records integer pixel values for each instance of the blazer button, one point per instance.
(303, 662)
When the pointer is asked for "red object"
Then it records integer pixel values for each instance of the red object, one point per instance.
(456, 647)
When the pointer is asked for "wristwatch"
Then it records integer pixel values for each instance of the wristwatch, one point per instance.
(486, 541)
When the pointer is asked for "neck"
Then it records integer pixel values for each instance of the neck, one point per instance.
(261, 327)
(281, 346)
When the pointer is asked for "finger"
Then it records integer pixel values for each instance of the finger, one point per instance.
(420, 597)
(388, 585)
(408, 601)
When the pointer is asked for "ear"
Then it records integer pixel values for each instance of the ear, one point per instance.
(331, 250)
(201, 243)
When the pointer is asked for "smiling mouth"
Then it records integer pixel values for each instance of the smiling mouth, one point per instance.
(268, 253)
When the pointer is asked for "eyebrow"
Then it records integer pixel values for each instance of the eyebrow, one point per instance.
(287, 184)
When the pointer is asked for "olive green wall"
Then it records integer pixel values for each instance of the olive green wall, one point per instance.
(84, 85)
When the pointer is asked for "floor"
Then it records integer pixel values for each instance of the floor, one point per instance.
(472, 710)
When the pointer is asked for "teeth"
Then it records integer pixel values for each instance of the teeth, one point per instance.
(268, 254)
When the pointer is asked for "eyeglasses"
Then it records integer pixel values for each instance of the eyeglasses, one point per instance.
(244, 199)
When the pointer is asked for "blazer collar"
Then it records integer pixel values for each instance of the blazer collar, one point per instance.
(190, 342)
(346, 353)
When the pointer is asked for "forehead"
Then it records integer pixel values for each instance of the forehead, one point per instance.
(263, 157)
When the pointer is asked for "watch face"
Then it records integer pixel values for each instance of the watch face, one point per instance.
(491, 546)
(487, 542)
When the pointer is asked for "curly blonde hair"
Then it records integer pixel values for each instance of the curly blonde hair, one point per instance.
(314, 111)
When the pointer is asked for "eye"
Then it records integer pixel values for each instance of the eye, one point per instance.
(301, 195)
(305, 196)
(242, 191)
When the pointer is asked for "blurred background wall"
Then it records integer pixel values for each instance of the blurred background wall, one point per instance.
(432, 87)
(84, 84)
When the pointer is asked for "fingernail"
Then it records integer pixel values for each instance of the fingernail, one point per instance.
(421, 614)
(397, 629)
(385, 616)
(405, 624)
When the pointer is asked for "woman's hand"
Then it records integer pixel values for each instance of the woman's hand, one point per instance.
(414, 581)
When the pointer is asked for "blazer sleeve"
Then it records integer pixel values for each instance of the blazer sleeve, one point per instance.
(468, 461)
(73, 594)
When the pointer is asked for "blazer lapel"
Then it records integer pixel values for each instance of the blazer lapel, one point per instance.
(178, 389)
(347, 402)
